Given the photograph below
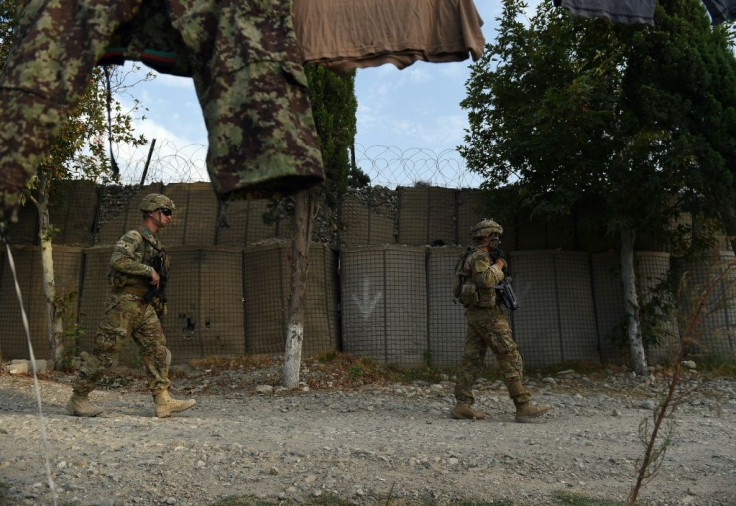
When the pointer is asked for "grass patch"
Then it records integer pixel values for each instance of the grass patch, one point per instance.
(333, 500)
(719, 365)
(576, 499)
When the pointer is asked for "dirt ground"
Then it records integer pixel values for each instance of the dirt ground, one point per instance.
(363, 437)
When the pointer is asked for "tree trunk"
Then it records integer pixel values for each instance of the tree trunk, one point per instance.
(54, 323)
(303, 211)
(631, 303)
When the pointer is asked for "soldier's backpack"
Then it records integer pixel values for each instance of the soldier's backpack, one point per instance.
(463, 290)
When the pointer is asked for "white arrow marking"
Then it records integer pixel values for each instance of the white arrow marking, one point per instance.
(368, 304)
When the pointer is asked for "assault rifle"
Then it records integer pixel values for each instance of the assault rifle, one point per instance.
(503, 290)
(156, 296)
(507, 295)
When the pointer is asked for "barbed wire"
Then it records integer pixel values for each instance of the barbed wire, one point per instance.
(388, 166)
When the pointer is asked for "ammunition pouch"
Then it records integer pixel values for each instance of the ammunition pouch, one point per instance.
(468, 294)
(159, 305)
(486, 297)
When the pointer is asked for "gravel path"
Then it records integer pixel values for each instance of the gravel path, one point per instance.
(364, 444)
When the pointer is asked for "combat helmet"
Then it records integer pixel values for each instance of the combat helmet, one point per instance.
(155, 201)
(485, 228)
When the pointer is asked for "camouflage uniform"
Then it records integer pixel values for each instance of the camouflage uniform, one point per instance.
(243, 57)
(128, 313)
(487, 327)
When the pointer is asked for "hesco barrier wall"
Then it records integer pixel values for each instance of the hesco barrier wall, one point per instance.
(205, 303)
(266, 282)
(446, 318)
(384, 303)
(428, 216)
(194, 217)
(75, 205)
(120, 212)
(556, 321)
(651, 271)
(27, 259)
(229, 286)
(366, 221)
(716, 332)
(608, 295)
(245, 225)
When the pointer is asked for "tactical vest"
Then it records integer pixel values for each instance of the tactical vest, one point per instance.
(486, 295)
(145, 251)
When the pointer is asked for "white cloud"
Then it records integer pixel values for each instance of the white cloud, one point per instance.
(174, 159)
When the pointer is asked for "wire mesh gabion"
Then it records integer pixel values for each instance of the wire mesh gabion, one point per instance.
(380, 276)
(384, 304)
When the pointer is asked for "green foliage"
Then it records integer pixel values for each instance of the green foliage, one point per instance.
(639, 119)
(720, 365)
(334, 108)
(657, 314)
(355, 371)
(328, 356)
(7, 20)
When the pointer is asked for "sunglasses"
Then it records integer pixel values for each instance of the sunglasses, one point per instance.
(166, 212)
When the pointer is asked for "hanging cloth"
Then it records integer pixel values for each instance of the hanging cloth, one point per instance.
(618, 11)
(348, 34)
(721, 10)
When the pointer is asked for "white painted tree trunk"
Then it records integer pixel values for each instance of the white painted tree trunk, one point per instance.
(631, 303)
(54, 324)
(303, 211)
(293, 354)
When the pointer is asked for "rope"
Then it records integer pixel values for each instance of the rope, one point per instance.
(35, 375)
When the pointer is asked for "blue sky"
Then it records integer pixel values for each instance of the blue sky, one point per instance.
(417, 107)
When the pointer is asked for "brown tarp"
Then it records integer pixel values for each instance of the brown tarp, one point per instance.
(348, 34)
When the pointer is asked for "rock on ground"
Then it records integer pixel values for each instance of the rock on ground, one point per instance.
(364, 444)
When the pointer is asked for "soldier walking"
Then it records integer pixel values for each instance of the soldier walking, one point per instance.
(481, 270)
(138, 270)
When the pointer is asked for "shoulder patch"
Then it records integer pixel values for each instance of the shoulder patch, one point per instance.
(481, 263)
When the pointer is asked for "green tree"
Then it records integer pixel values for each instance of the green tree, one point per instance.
(334, 109)
(78, 152)
(572, 109)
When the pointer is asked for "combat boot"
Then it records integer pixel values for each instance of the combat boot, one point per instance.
(79, 405)
(166, 406)
(465, 411)
(525, 411)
